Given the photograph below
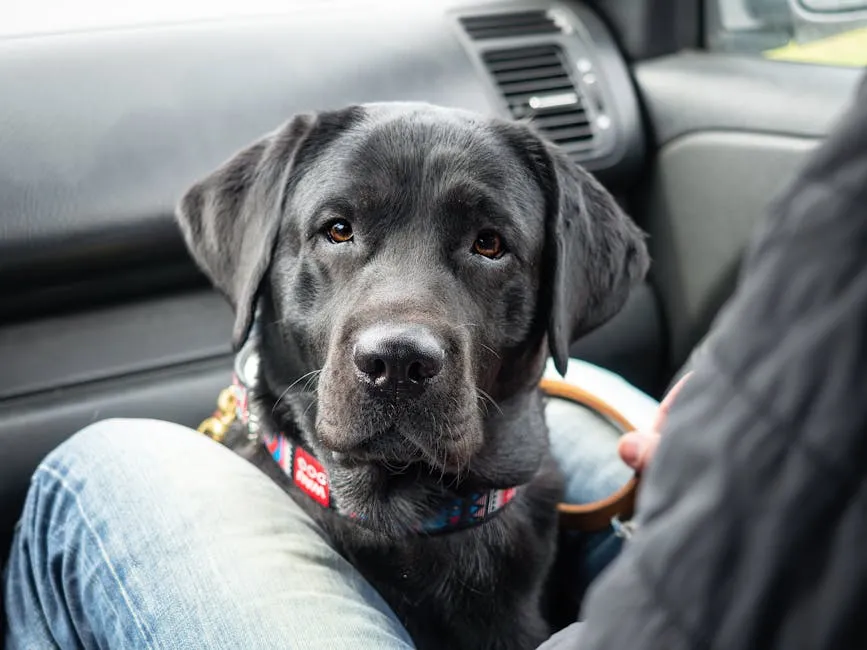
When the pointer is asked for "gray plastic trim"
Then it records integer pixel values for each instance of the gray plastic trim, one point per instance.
(695, 91)
(710, 191)
(52, 353)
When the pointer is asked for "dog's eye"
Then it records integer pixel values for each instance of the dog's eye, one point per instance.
(339, 231)
(489, 244)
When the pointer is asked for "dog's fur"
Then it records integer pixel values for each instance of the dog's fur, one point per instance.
(417, 183)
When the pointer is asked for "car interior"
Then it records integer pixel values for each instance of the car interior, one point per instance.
(695, 114)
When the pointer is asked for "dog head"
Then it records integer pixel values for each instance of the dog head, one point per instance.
(411, 262)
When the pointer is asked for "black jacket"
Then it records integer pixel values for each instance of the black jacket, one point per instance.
(753, 516)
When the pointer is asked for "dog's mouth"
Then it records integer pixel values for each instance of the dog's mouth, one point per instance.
(386, 447)
(399, 453)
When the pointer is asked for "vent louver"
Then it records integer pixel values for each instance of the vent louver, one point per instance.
(538, 88)
(507, 25)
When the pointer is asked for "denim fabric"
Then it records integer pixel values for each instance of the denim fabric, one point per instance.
(144, 534)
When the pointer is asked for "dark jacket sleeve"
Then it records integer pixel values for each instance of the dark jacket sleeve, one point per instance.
(753, 515)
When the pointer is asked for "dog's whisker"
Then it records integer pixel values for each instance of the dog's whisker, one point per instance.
(314, 377)
(312, 373)
(466, 586)
(436, 443)
(460, 471)
(449, 434)
(396, 469)
(309, 406)
(485, 397)
(463, 466)
(279, 399)
(442, 463)
(490, 349)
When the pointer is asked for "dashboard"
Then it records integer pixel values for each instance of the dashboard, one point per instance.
(102, 131)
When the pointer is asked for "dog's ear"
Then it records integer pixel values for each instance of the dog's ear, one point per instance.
(595, 254)
(230, 220)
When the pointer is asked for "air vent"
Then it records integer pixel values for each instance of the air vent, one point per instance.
(538, 88)
(507, 25)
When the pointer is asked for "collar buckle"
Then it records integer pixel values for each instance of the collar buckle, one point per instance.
(216, 426)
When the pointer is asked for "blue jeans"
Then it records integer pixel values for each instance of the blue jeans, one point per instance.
(145, 534)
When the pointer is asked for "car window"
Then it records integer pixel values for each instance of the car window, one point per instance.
(829, 32)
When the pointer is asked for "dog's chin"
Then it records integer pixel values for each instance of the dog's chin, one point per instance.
(394, 479)
(396, 448)
(386, 503)
(396, 433)
(392, 504)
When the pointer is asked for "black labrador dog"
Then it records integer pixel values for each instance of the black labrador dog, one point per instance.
(408, 269)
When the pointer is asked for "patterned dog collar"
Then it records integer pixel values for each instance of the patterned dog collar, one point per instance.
(310, 475)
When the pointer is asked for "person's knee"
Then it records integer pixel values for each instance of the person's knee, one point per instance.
(122, 443)
(155, 469)
(107, 436)
(127, 458)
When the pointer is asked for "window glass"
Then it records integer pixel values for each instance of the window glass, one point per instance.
(830, 32)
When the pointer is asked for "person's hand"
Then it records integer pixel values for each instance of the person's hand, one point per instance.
(637, 448)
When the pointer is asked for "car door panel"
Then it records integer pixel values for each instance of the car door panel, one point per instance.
(731, 131)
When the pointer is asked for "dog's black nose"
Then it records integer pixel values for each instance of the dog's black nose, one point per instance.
(398, 358)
